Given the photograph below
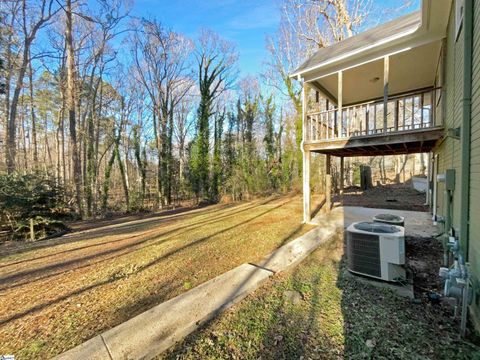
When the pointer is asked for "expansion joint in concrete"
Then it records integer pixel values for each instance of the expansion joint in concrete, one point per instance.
(106, 347)
(263, 268)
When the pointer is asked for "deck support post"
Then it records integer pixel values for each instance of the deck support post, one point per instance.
(328, 182)
(306, 187)
(340, 104)
(306, 158)
(386, 65)
(342, 174)
(428, 200)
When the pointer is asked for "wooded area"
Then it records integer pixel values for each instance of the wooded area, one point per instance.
(124, 114)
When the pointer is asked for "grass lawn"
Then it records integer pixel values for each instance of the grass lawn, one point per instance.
(316, 312)
(57, 296)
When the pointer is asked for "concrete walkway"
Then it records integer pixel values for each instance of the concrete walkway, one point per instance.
(157, 329)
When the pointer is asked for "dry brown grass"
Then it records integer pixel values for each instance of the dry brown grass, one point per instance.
(57, 296)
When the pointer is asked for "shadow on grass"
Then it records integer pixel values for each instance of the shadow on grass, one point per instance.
(98, 229)
(142, 268)
(294, 330)
(89, 234)
(318, 208)
(153, 299)
(379, 324)
(269, 324)
(316, 314)
(119, 250)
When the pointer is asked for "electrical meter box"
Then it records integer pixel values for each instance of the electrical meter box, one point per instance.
(450, 179)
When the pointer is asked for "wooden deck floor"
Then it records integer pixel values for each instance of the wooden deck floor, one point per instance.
(392, 143)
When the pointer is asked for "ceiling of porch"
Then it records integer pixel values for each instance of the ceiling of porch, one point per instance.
(408, 70)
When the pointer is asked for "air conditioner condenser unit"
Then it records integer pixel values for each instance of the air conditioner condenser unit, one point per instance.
(389, 219)
(376, 250)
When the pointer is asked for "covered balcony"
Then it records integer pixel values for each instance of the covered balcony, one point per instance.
(408, 123)
(377, 93)
(388, 106)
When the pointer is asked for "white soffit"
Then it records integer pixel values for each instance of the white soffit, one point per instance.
(409, 70)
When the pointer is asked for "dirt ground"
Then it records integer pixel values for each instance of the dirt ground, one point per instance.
(424, 258)
(58, 293)
(400, 197)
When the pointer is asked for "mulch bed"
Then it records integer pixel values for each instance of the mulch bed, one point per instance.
(424, 258)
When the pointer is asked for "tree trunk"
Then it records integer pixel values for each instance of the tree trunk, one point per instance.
(90, 164)
(11, 133)
(123, 174)
(170, 155)
(58, 166)
(23, 136)
(159, 162)
(77, 172)
(106, 184)
(32, 113)
(401, 169)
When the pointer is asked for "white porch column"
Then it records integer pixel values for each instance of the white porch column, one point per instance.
(428, 200)
(306, 158)
(328, 183)
(306, 187)
(340, 104)
(386, 68)
(342, 174)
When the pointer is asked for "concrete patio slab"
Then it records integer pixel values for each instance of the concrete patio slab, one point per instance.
(417, 223)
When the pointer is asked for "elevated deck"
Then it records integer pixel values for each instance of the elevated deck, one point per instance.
(391, 143)
(407, 123)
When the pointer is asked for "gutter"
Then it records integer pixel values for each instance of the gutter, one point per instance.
(466, 126)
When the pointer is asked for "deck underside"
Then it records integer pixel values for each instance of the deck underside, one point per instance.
(405, 142)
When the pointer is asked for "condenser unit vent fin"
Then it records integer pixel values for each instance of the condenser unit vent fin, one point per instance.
(364, 254)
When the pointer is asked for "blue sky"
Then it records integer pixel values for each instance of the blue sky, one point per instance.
(245, 22)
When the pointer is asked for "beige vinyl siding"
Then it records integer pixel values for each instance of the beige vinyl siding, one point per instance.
(474, 227)
(449, 150)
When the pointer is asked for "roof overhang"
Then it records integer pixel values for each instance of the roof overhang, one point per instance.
(413, 30)
(408, 71)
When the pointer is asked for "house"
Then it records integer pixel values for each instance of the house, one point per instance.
(410, 85)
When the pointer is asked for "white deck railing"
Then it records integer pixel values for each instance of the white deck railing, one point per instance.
(415, 110)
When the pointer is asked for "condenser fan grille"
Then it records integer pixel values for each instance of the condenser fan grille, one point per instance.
(364, 254)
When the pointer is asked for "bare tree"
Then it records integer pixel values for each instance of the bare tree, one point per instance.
(216, 60)
(184, 122)
(306, 26)
(71, 102)
(33, 17)
(162, 62)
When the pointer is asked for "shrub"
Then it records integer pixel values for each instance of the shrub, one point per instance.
(31, 197)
